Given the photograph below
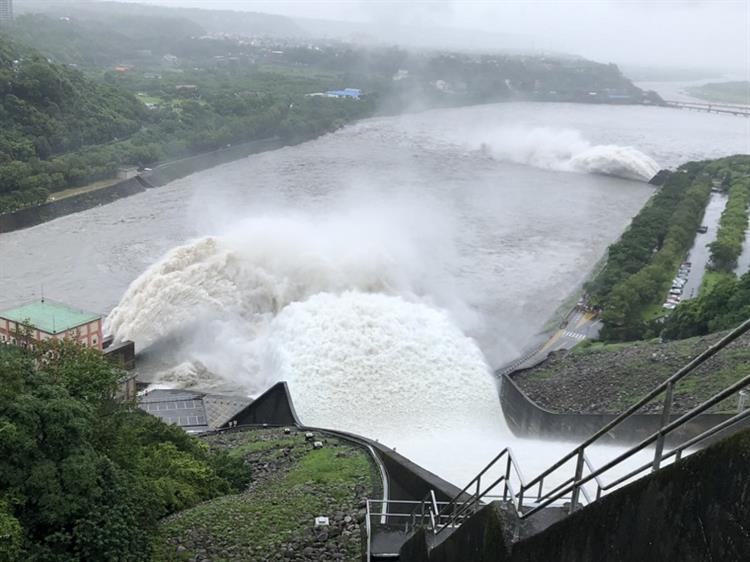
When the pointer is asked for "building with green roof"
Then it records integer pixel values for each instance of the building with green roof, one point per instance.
(45, 319)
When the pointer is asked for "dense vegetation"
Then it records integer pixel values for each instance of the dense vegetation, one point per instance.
(723, 92)
(83, 476)
(47, 110)
(733, 222)
(724, 306)
(62, 129)
(640, 266)
(150, 84)
(273, 519)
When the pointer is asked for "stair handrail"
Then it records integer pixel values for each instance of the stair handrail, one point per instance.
(465, 503)
(666, 387)
(573, 486)
(678, 450)
(579, 481)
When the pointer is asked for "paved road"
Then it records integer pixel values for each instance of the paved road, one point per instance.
(699, 253)
(579, 325)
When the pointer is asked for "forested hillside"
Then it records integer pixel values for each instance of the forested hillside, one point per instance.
(83, 476)
(121, 86)
(63, 128)
(98, 42)
(48, 109)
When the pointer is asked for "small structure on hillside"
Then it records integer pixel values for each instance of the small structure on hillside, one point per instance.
(44, 319)
(191, 410)
(353, 93)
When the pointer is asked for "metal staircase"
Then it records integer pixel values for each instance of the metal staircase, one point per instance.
(572, 482)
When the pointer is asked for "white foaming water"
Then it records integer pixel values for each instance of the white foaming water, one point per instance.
(215, 297)
(566, 150)
(361, 352)
(375, 363)
(403, 373)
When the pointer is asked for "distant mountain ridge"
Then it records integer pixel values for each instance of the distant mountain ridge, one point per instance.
(208, 20)
(270, 25)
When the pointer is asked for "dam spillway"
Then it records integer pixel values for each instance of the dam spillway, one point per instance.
(409, 208)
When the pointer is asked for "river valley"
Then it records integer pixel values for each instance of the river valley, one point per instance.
(382, 270)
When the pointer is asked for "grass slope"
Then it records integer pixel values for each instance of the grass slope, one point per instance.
(274, 518)
(607, 378)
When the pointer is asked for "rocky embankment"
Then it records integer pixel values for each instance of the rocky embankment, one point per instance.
(274, 518)
(598, 378)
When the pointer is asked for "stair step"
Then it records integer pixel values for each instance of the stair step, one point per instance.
(386, 544)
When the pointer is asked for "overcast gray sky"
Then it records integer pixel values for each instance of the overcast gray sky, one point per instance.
(684, 33)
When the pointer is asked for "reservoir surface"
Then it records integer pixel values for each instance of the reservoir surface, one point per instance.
(388, 264)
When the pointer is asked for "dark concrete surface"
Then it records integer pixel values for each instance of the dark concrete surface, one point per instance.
(696, 510)
(527, 419)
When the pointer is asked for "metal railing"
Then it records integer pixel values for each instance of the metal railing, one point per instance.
(571, 490)
(468, 500)
(384, 514)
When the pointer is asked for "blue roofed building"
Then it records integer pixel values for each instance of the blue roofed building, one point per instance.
(354, 93)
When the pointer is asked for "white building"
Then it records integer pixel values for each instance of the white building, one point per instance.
(6, 11)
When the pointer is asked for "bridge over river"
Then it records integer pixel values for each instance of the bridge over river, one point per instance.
(742, 110)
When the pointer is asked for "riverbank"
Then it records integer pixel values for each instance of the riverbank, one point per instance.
(590, 377)
(158, 176)
(607, 378)
(107, 191)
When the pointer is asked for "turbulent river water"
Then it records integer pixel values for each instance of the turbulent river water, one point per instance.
(381, 270)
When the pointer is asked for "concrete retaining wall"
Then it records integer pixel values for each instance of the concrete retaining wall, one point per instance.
(273, 407)
(484, 537)
(32, 216)
(527, 419)
(176, 169)
(696, 510)
(409, 481)
(159, 176)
